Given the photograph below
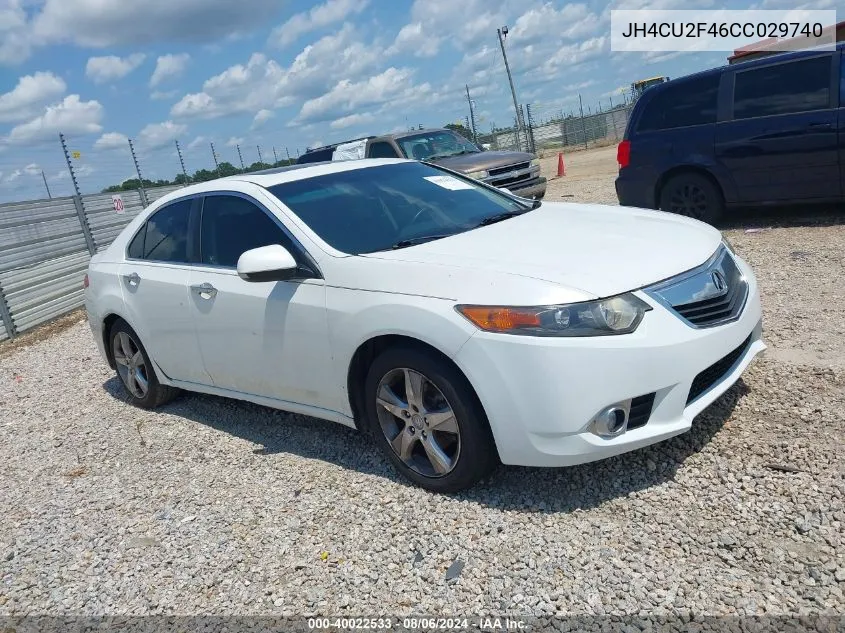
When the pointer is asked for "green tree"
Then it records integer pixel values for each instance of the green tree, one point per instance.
(228, 169)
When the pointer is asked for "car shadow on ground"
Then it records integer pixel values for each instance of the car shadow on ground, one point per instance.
(509, 488)
(808, 215)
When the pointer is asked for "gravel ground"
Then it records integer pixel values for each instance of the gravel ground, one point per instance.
(218, 507)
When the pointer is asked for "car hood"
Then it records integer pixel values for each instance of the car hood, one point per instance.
(592, 249)
(483, 160)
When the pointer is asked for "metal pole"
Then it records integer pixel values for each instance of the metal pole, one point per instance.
(6, 316)
(510, 80)
(49, 195)
(583, 121)
(77, 202)
(259, 154)
(288, 153)
(181, 161)
(214, 156)
(275, 157)
(69, 165)
(138, 171)
(531, 128)
(240, 157)
(472, 117)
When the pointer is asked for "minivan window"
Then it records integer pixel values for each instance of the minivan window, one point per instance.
(165, 235)
(796, 86)
(382, 150)
(232, 225)
(689, 102)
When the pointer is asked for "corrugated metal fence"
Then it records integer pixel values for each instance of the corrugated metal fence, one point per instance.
(45, 246)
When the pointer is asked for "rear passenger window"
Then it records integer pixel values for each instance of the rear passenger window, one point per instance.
(165, 236)
(382, 150)
(798, 86)
(232, 225)
(689, 102)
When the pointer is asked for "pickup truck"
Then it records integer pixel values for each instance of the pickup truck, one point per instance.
(518, 172)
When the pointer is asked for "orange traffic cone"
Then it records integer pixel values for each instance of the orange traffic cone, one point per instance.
(561, 169)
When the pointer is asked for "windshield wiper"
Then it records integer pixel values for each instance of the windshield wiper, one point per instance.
(499, 217)
(413, 241)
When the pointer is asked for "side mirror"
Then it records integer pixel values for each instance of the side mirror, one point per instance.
(267, 263)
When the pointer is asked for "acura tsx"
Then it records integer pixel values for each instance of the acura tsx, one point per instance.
(455, 324)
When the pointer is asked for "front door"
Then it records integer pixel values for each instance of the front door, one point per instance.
(267, 339)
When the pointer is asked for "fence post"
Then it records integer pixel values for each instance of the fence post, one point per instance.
(583, 121)
(140, 177)
(6, 316)
(83, 221)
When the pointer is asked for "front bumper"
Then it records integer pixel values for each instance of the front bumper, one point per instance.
(533, 189)
(541, 394)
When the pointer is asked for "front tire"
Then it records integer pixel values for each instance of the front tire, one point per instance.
(424, 415)
(693, 195)
(135, 370)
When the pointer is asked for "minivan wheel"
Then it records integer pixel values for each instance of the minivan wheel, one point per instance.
(424, 416)
(135, 370)
(692, 195)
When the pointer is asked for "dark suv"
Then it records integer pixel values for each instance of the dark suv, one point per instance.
(768, 131)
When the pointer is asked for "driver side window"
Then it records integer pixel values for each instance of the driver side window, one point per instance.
(232, 225)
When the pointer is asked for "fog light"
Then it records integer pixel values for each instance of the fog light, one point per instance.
(612, 421)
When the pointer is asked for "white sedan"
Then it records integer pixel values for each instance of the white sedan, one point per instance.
(457, 325)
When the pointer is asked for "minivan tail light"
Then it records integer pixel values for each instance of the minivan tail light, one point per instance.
(623, 154)
(85, 281)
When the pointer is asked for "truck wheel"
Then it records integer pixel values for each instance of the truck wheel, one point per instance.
(693, 195)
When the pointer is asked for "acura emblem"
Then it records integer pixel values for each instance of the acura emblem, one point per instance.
(719, 281)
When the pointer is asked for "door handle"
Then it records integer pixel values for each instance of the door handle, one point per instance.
(133, 279)
(820, 126)
(206, 290)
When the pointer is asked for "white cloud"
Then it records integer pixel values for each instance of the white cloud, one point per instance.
(15, 45)
(157, 135)
(32, 169)
(196, 142)
(111, 140)
(330, 12)
(111, 67)
(261, 117)
(30, 94)
(102, 23)
(70, 116)
(158, 95)
(169, 67)
(262, 83)
(412, 39)
(352, 119)
(235, 140)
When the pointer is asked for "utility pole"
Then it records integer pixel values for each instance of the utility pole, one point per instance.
(259, 153)
(214, 156)
(181, 161)
(275, 157)
(138, 171)
(49, 195)
(240, 157)
(503, 32)
(472, 117)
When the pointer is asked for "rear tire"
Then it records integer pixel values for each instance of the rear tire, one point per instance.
(693, 195)
(135, 370)
(436, 434)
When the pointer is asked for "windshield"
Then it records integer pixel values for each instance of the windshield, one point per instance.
(434, 145)
(390, 206)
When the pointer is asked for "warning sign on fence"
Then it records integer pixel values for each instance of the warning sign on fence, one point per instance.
(117, 203)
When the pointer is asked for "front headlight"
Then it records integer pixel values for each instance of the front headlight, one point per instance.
(478, 175)
(621, 314)
(535, 162)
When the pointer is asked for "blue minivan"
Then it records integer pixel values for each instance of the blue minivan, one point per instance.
(767, 131)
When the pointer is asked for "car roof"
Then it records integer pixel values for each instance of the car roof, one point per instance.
(278, 175)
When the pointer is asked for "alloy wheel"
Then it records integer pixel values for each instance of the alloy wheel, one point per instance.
(130, 364)
(418, 422)
(689, 200)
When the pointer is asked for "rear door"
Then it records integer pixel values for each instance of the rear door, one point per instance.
(780, 142)
(154, 282)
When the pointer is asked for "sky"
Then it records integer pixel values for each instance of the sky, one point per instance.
(284, 75)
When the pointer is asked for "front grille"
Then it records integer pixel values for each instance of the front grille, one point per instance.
(640, 411)
(510, 182)
(507, 168)
(716, 371)
(710, 295)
